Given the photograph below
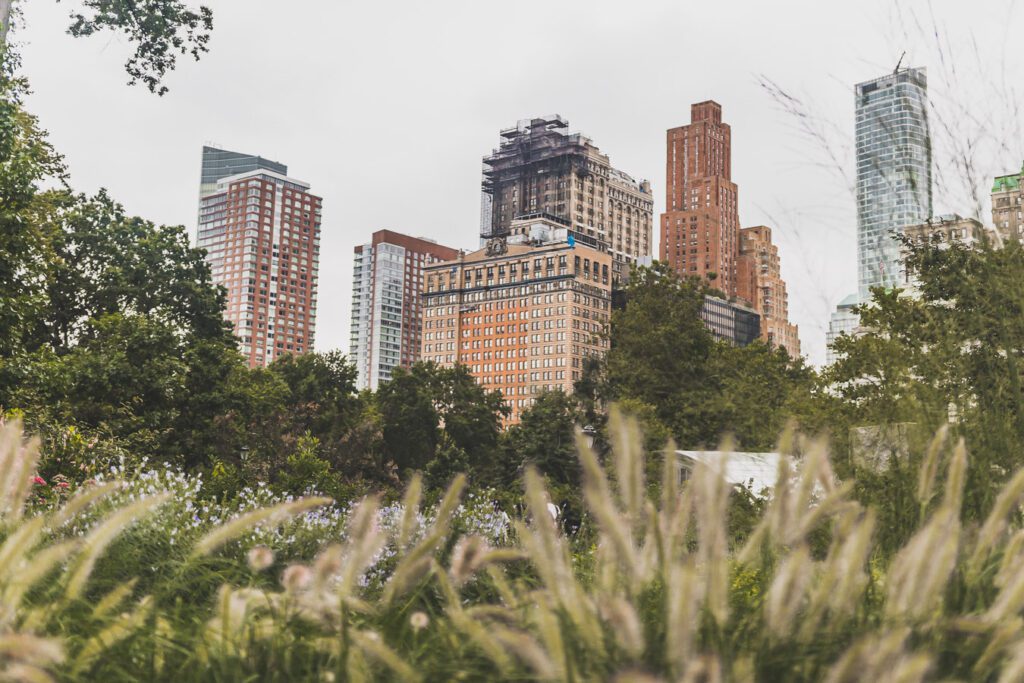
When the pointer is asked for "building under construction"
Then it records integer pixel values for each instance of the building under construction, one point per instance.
(542, 168)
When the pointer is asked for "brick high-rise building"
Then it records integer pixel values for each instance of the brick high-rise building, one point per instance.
(386, 288)
(540, 168)
(759, 281)
(700, 226)
(1008, 205)
(261, 231)
(523, 313)
(700, 229)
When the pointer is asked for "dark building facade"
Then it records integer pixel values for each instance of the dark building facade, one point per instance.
(221, 163)
(731, 322)
(540, 168)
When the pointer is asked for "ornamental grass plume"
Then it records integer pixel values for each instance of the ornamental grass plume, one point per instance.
(261, 557)
(653, 589)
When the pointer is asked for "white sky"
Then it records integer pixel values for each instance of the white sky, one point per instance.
(387, 107)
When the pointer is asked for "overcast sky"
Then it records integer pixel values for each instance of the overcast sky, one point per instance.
(386, 109)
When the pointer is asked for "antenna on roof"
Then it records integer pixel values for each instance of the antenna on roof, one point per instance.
(896, 70)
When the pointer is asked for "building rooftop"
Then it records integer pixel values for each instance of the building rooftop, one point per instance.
(1007, 183)
(916, 75)
(849, 302)
(756, 471)
(262, 172)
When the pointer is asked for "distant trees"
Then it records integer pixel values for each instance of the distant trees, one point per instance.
(954, 352)
(700, 389)
(430, 409)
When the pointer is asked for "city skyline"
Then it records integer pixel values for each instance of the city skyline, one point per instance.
(786, 182)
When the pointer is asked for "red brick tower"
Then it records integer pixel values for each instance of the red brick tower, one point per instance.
(700, 227)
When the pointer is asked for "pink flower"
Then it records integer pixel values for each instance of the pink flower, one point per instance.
(63, 484)
(39, 480)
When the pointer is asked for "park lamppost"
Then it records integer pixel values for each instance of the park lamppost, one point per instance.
(589, 433)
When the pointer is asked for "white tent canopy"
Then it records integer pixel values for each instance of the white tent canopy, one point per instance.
(756, 471)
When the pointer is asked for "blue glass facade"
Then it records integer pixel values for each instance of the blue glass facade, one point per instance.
(894, 172)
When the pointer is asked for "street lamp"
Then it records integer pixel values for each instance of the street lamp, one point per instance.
(589, 433)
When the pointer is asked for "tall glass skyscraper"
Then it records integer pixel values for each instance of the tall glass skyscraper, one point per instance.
(894, 172)
(894, 183)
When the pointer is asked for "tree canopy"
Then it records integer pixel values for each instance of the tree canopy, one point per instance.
(701, 389)
(159, 30)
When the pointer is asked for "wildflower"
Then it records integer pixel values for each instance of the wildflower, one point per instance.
(419, 620)
(260, 558)
(39, 481)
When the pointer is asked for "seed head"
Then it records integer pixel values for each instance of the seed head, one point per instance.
(260, 557)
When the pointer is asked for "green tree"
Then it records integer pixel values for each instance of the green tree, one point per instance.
(951, 352)
(109, 303)
(426, 403)
(322, 398)
(26, 161)
(124, 380)
(103, 261)
(759, 390)
(663, 357)
(159, 30)
(660, 349)
(410, 422)
(545, 438)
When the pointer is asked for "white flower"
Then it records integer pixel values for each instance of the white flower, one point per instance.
(419, 620)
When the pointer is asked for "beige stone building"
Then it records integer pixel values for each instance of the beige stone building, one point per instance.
(943, 231)
(541, 169)
(759, 281)
(1008, 205)
(523, 313)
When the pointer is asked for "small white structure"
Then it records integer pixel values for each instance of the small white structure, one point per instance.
(756, 471)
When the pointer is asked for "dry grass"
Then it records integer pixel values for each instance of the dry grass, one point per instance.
(663, 595)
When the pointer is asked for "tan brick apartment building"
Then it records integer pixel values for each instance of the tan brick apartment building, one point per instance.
(759, 281)
(523, 313)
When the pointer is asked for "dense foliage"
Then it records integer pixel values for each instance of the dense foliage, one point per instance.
(700, 389)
